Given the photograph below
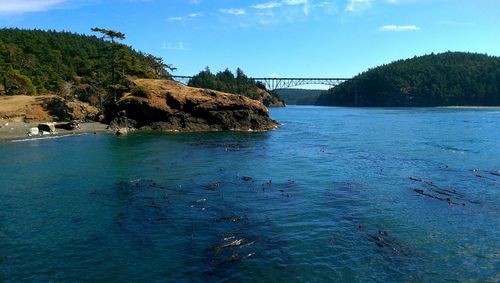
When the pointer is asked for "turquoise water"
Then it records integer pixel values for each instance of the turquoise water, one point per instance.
(327, 197)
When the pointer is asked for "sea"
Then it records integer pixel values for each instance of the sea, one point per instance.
(332, 195)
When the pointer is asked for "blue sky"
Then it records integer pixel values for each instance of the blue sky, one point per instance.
(307, 38)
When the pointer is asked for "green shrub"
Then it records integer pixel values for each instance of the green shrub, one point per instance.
(140, 91)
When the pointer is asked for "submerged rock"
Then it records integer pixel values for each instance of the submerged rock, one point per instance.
(171, 106)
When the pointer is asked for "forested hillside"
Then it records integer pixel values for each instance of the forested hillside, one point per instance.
(41, 62)
(451, 78)
(295, 96)
(228, 82)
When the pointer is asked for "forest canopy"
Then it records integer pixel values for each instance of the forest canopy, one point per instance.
(48, 62)
(451, 78)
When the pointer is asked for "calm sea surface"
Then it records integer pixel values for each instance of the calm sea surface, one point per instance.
(326, 197)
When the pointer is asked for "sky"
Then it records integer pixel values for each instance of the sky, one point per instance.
(275, 38)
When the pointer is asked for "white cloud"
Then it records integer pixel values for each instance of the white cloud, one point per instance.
(399, 28)
(194, 15)
(288, 13)
(276, 4)
(354, 6)
(236, 12)
(321, 4)
(174, 46)
(25, 6)
(186, 18)
(277, 12)
(268, 5)
(295, 2)
(175, 19)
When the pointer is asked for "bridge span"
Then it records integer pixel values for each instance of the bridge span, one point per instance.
(279, 83)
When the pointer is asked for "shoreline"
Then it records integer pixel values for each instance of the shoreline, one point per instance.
(17, 131)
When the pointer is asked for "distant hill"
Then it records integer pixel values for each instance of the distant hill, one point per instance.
(36, 62)
(446, 79)
(294, 96)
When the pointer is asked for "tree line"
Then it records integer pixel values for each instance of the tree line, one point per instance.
(451, 78)
(238, 83)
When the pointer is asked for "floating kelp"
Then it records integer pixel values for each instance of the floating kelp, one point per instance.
(220, 232)
(382, 239)
(212, 185)
(236, 233)
(485, 177)
(435, 192)
(231, 219)
(231, 249)
(429, 183)
(448, 200)
(494, 173)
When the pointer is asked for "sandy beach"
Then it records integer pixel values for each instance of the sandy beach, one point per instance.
(14, 130)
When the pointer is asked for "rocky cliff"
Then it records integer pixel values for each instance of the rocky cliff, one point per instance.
(165, 105)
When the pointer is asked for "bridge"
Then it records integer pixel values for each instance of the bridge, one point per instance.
(279, 83)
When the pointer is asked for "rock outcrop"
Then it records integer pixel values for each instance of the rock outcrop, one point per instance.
(269, 100)
(47, 127)
(165, 105)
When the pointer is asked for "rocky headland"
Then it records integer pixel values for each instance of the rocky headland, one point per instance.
(152, 105)
(164, 105)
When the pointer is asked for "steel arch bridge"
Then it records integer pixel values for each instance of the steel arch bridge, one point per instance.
(279, 83)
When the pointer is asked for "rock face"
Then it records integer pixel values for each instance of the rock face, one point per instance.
(269, 100)
(170, 106)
